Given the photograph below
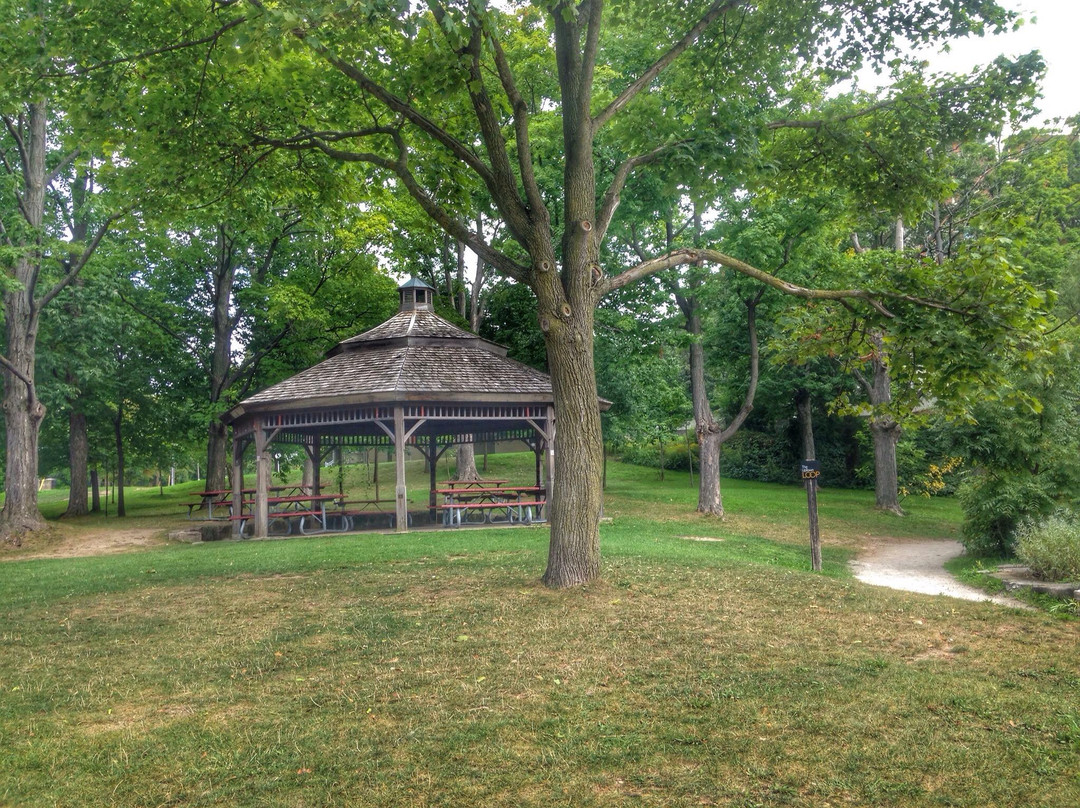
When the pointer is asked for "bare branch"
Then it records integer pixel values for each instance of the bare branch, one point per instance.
(398, 105)
(6, 364)
(718, 8)
(888, 103)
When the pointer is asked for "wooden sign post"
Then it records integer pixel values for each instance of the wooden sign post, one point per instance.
(810, 470)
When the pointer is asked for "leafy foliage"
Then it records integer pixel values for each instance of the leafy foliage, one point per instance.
(1051, 547)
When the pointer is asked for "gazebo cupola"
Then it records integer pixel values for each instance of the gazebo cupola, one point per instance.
(416, 295)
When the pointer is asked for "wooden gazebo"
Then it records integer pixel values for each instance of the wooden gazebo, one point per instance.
(415, 380)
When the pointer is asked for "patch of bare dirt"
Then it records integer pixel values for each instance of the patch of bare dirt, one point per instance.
(66, 541)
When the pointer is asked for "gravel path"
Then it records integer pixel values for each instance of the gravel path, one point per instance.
(919, 567)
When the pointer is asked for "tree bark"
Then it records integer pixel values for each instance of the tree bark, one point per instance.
(95, 492)
(885, 434)
(465, 456)
(118, 432)
(711, 435)
(710, 497)
(216, 460)
(223, 320)
(23, 412)
(574, 549)
(804, 409)
(78, 451)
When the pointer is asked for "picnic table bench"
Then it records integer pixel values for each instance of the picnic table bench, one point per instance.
(521, 511)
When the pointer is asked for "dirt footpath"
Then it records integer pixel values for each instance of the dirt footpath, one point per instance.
(919, 567)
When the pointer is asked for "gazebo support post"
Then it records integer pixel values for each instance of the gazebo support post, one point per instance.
(262, 484)
(238, 484)
(433, 465)
(549, 453)
(402, 503)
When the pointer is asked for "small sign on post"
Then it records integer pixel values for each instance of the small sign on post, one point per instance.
(810, 471)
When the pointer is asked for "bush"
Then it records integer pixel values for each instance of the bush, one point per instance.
(750, 455)
(648, 455)
(994, 506)
(1052, 547)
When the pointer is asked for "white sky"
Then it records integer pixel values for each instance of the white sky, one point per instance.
(1053, 28)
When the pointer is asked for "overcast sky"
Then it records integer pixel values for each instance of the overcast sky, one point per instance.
(1051, 27)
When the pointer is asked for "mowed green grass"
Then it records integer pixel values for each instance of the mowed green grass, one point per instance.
(433, 669)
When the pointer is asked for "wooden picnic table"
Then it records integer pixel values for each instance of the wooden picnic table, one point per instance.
(351, 508)
(515, 501)
(285, 509)
(223, 498)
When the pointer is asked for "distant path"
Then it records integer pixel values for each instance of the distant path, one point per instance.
(919, 567)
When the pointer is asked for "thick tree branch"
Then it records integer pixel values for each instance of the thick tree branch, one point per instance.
(504, 187)
(63, 164)
(6, 364)
(400, 168)
(77, 265)
(717, 9)
(595, 15)
(611, 199)
(687, 256)
(521, 128)
(755, 356)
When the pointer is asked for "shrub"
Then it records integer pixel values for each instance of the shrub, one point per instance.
(994, 505)
(1051, 547)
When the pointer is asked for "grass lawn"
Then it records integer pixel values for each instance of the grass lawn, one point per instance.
(432, 669)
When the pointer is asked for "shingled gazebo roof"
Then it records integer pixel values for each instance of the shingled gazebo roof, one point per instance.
(414, 356)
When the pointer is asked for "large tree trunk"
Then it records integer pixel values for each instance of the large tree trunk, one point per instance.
(216, 460)
(885, 433)
(23, 412)
(220, 359)
(22, 415)
(78, 451)
(574, 550)
(465, 456)
(118, 424)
